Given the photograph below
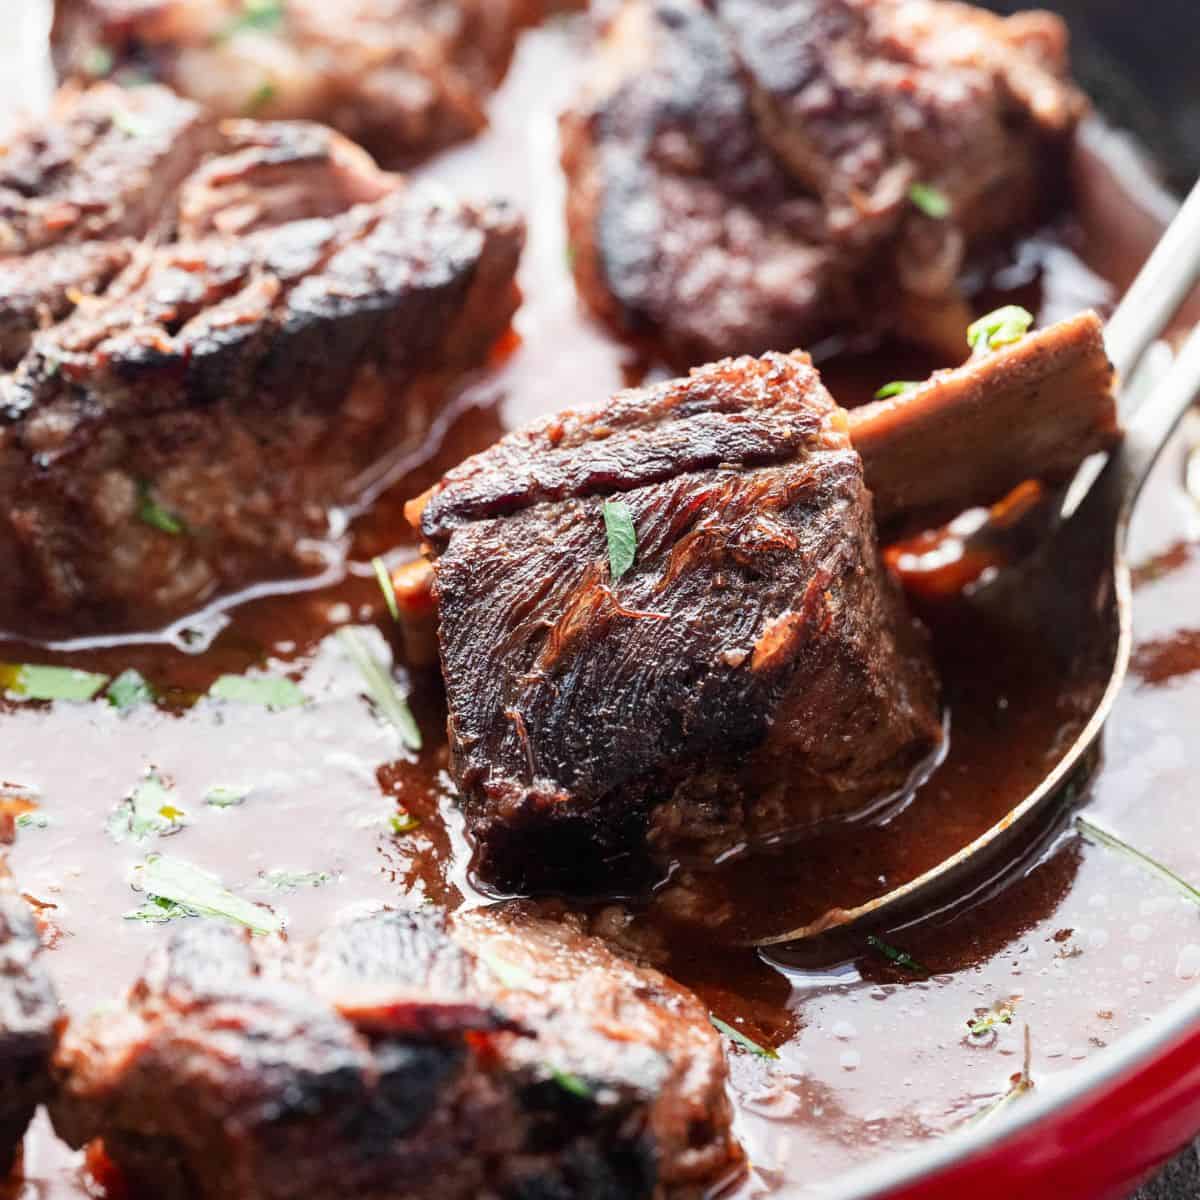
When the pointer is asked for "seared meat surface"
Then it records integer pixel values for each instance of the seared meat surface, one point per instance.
(40, 288)
(101, 168)
(29, 1022)
(272, 172)
(748, 174)
(103, 165)
(397, 1059)
(754, 672)
(401, 77)
(186, 433)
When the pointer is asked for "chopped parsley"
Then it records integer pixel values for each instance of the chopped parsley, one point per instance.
(386, 587)
(403, 822)
(510, 975)
(930, 200)
(898, 387)
(32, 820)
(290, 881)
(129, 123)
(151, 513)
(36, 681)
(128, 690)
(261, 96)
(989, 1021)
(179, 889)
(900, 957)
(269, 691)
(622, 537)
(999, 328)
(225, 796)
(381, 688)
(736, 1036)
(1018, 1086)
(264, 15)
(570, 1082)
(1102, 837)
(149, 810)
(98, 62)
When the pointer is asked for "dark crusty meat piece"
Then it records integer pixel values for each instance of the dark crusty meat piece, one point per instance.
(29, 1022)
(187, 433)
(100, 168)
(389, 1061)
(272, 172)
(401, 77)
(103, 165)
(743, 171)
(40, 288)
(753, 673)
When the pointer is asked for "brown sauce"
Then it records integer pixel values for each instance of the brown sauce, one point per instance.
(1079, 943)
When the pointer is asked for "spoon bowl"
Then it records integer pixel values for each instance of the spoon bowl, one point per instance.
(1072, 597)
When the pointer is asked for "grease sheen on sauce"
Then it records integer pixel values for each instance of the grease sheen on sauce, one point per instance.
(1079, 943)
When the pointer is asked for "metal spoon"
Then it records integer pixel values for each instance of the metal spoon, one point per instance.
(1074, 593)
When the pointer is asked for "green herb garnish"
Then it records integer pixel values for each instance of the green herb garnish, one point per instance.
(158, 910)
(35, 681)
(572, 1083)
(265, 15)
(900, 957)
(736, 1035)
(151, 513)
(989, 1021)
(999, 328)
(225, 796)
(1094, 833)
(1017, 1088)
(898, 387)
(32, 820)
(290, 881)
(261, 96)
(386, 587)
(403, 822)
(622, 537)
(98, 62)
(510, 975)
(270, 691)
(381, 688)
(930, 200)
(129, 123)
(128, 690)
(148, 810)
(180, 889)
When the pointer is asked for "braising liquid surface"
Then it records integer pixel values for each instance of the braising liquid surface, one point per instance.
(1079, 946)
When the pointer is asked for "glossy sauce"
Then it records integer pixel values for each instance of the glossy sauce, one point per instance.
(1079, 943)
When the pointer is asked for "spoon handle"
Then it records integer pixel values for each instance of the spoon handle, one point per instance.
(1161, 286)
(1164, 408)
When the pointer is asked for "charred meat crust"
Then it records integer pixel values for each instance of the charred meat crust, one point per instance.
(752, 674)
(243, 386)
(401, 77)
(102, 166)
(742, 171)
(388, 1061)
(41, 288)
(29, 1023)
